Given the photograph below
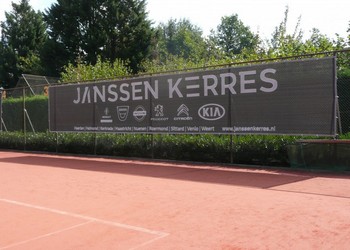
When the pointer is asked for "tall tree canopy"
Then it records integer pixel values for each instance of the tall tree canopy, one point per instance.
(180, 38)
(179, 44)
(111, 29)
(23, 34)
(86, 32)
(283, 43)
(232, 36)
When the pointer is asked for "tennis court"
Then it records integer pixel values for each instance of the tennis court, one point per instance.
(66, 202)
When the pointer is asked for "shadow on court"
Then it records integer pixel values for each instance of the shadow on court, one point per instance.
(229, 176)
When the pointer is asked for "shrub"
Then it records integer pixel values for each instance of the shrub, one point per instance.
(12, 140)
(45, 142)
(257, 149)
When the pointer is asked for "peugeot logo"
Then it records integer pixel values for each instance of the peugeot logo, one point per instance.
(211, 112)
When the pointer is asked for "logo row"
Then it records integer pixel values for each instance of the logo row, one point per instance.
(209, 112)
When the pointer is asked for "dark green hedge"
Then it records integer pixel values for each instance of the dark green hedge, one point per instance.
(37, 108)
(258, 150)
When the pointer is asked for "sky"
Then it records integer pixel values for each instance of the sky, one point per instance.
(329, 16)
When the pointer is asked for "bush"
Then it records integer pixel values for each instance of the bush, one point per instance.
(101, 70)
(256, 150)
(205, 148)
(262, 150)
(12, 140)
(45, 142)
(248, 149)
(76, 143)
(132, 145)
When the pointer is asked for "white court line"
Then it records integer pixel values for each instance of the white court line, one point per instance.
(45, 235)
(148, 242)
(88, 220)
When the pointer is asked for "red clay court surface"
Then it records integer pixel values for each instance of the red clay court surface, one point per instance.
(63, 202)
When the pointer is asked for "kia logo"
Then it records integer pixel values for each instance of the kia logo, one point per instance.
(211, 112)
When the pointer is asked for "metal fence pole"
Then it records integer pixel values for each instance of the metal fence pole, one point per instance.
(3, 125)
(231, 148)
(152, 146)
(29, 120)
(56, 142)
(24, 118)
(95, 144)
(338, 117)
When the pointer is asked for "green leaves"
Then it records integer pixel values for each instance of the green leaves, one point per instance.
(180, 38)
(232, 36)
(254, 150)
(73, 36)
(101, 70)
(23, 35)
(108, 29)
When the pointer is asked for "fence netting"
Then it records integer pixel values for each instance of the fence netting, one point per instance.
(25, 108)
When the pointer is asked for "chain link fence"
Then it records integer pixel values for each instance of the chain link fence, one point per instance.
(25, 108)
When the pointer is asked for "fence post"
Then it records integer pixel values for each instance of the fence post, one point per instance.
(95, 144)
(152, 146)
(29, 120)
(24, 118)
(231, 148)
(338, 117)
(56, 142)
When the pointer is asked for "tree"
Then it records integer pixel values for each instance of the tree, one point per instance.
(343, 59)
(317, 43)
(180, 38)
(129, 32)
(101, 70)
(233, 37)
(178, 44)
(349, 34)
(8, 67)
(284, 44)
(111, 29)
(22, 36)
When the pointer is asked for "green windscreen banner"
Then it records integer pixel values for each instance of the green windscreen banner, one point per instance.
(289, 97)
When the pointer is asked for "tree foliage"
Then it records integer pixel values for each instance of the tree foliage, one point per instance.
(283, 43)
(100, 70)
(8, 67)
(22, 37)
(233, 37)
(180, 38)
(180, 45)
(129, 32)
(84, 38)
(108, 28)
